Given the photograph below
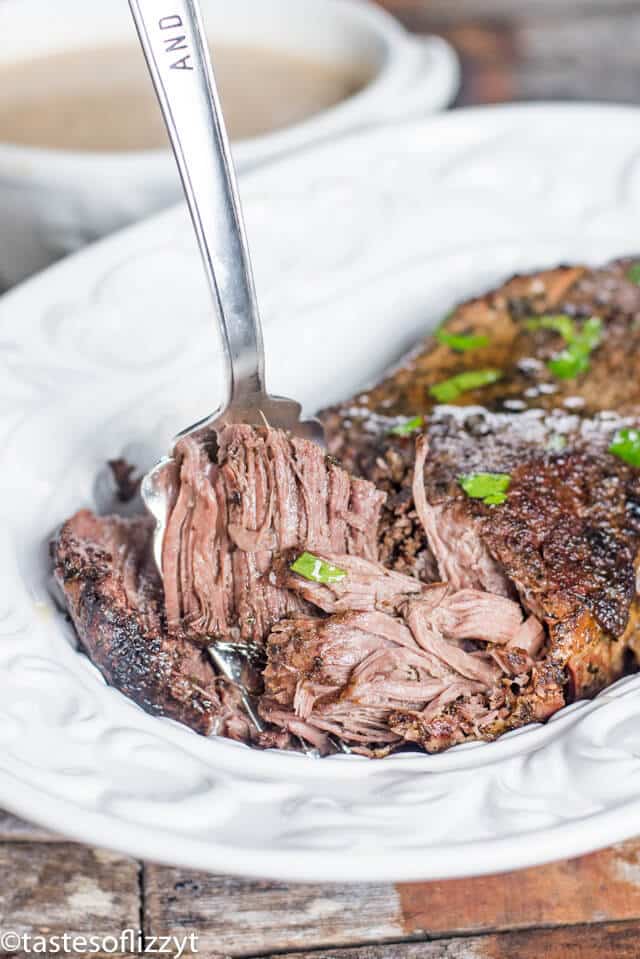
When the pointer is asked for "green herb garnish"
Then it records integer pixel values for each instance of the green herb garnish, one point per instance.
(626, 446)
(462, 341)
(449, 390)
(591, 333)
(408, 427)
(633, 273)
(575, 359)
(559, 322)
(315, 569)
(491, 488)
(569, 363)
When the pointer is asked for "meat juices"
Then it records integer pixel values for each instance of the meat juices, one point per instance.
(455, 619)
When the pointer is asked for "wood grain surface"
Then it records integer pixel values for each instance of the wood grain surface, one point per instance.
(238, 917)
(63, 887)
(587, 908)
(542, 49)
(610, 941)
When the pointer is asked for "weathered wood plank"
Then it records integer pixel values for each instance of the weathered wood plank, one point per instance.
(91, 955)
(456, 11)
(533, 60)
(536, 50)
(56, 888)
(591, 40)
(18, 830)
(559, 894)
(592, 58)
(613, 941)
(489, 57)
(242, 917)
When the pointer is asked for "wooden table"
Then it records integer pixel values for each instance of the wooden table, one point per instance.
(588, 907)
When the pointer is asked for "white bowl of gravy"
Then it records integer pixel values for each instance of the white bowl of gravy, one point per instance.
(83, 150)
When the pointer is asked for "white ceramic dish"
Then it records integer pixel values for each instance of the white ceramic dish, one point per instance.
(53, 202)
(451, 206)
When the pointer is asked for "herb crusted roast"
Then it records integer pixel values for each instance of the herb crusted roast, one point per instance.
(464, 562)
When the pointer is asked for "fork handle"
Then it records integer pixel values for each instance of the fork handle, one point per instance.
(173, 41)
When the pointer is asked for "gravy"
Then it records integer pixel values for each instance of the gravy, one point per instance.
(102, 99)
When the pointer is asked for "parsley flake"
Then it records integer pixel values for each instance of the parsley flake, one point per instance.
(491, 488)
(462, 342)
(626, 446)
(575, 359)
(449, 390)
(315, 569)
(408, 427)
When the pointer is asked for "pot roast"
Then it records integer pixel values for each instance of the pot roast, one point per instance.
(462, 563)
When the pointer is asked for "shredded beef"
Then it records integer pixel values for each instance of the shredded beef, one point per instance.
(266, 493)
(455, 619)
(350, 674)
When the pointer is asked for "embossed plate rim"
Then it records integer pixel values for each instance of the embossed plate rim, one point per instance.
(292, 779)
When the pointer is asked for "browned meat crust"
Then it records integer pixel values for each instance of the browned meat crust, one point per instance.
(358, 429)
(568, 533)
(114, 598)
(611, 383)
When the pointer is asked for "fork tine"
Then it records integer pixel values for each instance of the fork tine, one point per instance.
(227, 661)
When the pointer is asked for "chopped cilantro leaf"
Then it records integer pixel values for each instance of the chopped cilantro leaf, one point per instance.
(626, 446)
(575, 358)
(591, 333)
(491, 488)
(408, 427)
(315, 569)
(569, 363)
(449, 390)
(559, 322)
(462, 342)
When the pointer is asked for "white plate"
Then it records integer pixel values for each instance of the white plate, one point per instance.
(359, 247)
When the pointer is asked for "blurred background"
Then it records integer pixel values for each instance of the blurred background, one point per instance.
(77, 108)
(538, 49)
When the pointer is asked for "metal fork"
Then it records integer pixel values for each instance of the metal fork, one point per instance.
(236, 662)
(173, 40)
